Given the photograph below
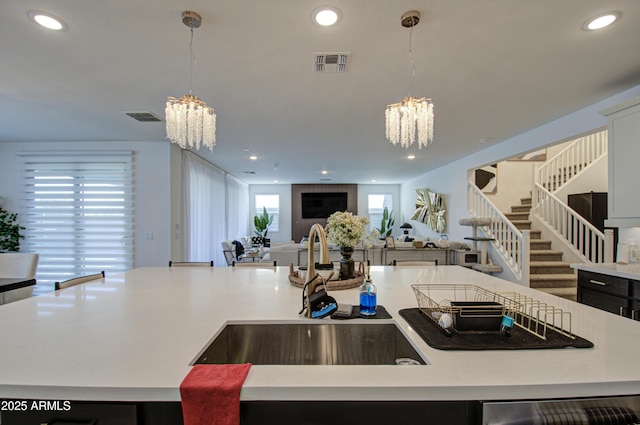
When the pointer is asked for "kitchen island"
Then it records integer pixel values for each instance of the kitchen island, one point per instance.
(133, 337)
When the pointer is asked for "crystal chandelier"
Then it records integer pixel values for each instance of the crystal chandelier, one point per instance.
(412, 119)
(190, 122)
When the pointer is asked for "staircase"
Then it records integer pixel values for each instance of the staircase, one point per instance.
(547, 271)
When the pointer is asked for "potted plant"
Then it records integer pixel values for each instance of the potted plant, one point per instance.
(386, 224)
(9, 231)
(262, 223)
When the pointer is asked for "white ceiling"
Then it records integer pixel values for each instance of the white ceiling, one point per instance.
(494, 69)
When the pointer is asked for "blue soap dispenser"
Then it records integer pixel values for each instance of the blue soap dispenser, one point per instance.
(368, 298)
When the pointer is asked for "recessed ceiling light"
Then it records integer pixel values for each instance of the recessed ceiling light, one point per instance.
(324, 172)
(601, 21)
(253, 157)
(47, 20)
(373, 181)
(411, 157)
(275, 181)
(326, 16)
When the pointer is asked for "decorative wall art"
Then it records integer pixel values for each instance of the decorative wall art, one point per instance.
(430, 210)
(486, 178)
(539, 155)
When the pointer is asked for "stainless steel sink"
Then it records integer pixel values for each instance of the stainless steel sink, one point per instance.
(310, 344)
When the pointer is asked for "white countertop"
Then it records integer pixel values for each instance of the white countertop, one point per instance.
(628, 271)
(133, 336)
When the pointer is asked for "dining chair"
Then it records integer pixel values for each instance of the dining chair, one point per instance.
(78, 280)
(255, 265)
(18, 264)
(190, 263)
(415, 263)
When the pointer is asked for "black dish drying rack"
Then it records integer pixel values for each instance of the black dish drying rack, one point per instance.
(477, 314)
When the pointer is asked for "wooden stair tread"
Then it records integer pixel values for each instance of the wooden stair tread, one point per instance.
(545, 251)
(568, 293)
(534, 244)
(549, 263)
(517, 216)
(535, 234)
(553, 276)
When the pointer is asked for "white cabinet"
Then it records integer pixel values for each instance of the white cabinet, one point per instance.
(624, 164)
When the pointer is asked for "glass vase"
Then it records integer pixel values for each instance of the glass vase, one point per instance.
(347, 265)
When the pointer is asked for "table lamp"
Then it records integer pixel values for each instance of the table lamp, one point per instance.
(406, 227)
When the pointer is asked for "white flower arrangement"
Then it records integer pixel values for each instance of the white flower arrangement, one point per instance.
(345, 229)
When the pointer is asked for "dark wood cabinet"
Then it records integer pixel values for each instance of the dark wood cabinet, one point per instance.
(610, 293)
(592, 206)
(606, 302)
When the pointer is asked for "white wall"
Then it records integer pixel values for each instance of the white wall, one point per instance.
(151, 190)
(515, 179)
(451, 180)
(284, 190)
(630, 234)
(364, 190)
(594, 178)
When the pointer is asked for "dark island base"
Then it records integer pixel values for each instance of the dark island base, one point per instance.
(263, 412)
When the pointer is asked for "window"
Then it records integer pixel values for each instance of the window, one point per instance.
(77, 209)
(272, 203)
(376, 204)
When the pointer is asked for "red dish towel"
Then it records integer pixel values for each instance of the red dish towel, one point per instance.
(211, 394)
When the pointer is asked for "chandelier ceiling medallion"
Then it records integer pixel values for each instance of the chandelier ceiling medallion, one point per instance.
(412, 119)
(190, 122)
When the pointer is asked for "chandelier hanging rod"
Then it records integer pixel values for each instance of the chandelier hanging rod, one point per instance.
(412, 119)
(190, 122)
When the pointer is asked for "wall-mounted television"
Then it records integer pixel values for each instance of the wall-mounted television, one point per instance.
(322, 204)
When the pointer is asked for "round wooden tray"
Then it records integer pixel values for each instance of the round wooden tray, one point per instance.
(295, 280)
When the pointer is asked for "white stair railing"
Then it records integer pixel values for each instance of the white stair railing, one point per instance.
(570, 161)
(589, 243)
(512, 244)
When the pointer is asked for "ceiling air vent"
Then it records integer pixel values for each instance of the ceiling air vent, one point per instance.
(144, 116)
(330, 62)
(249, 172)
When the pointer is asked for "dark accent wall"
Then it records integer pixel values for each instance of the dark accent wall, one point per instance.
(300, 226)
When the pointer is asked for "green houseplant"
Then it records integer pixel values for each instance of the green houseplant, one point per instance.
(262, 223)
(386, 225)
(9, 231)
